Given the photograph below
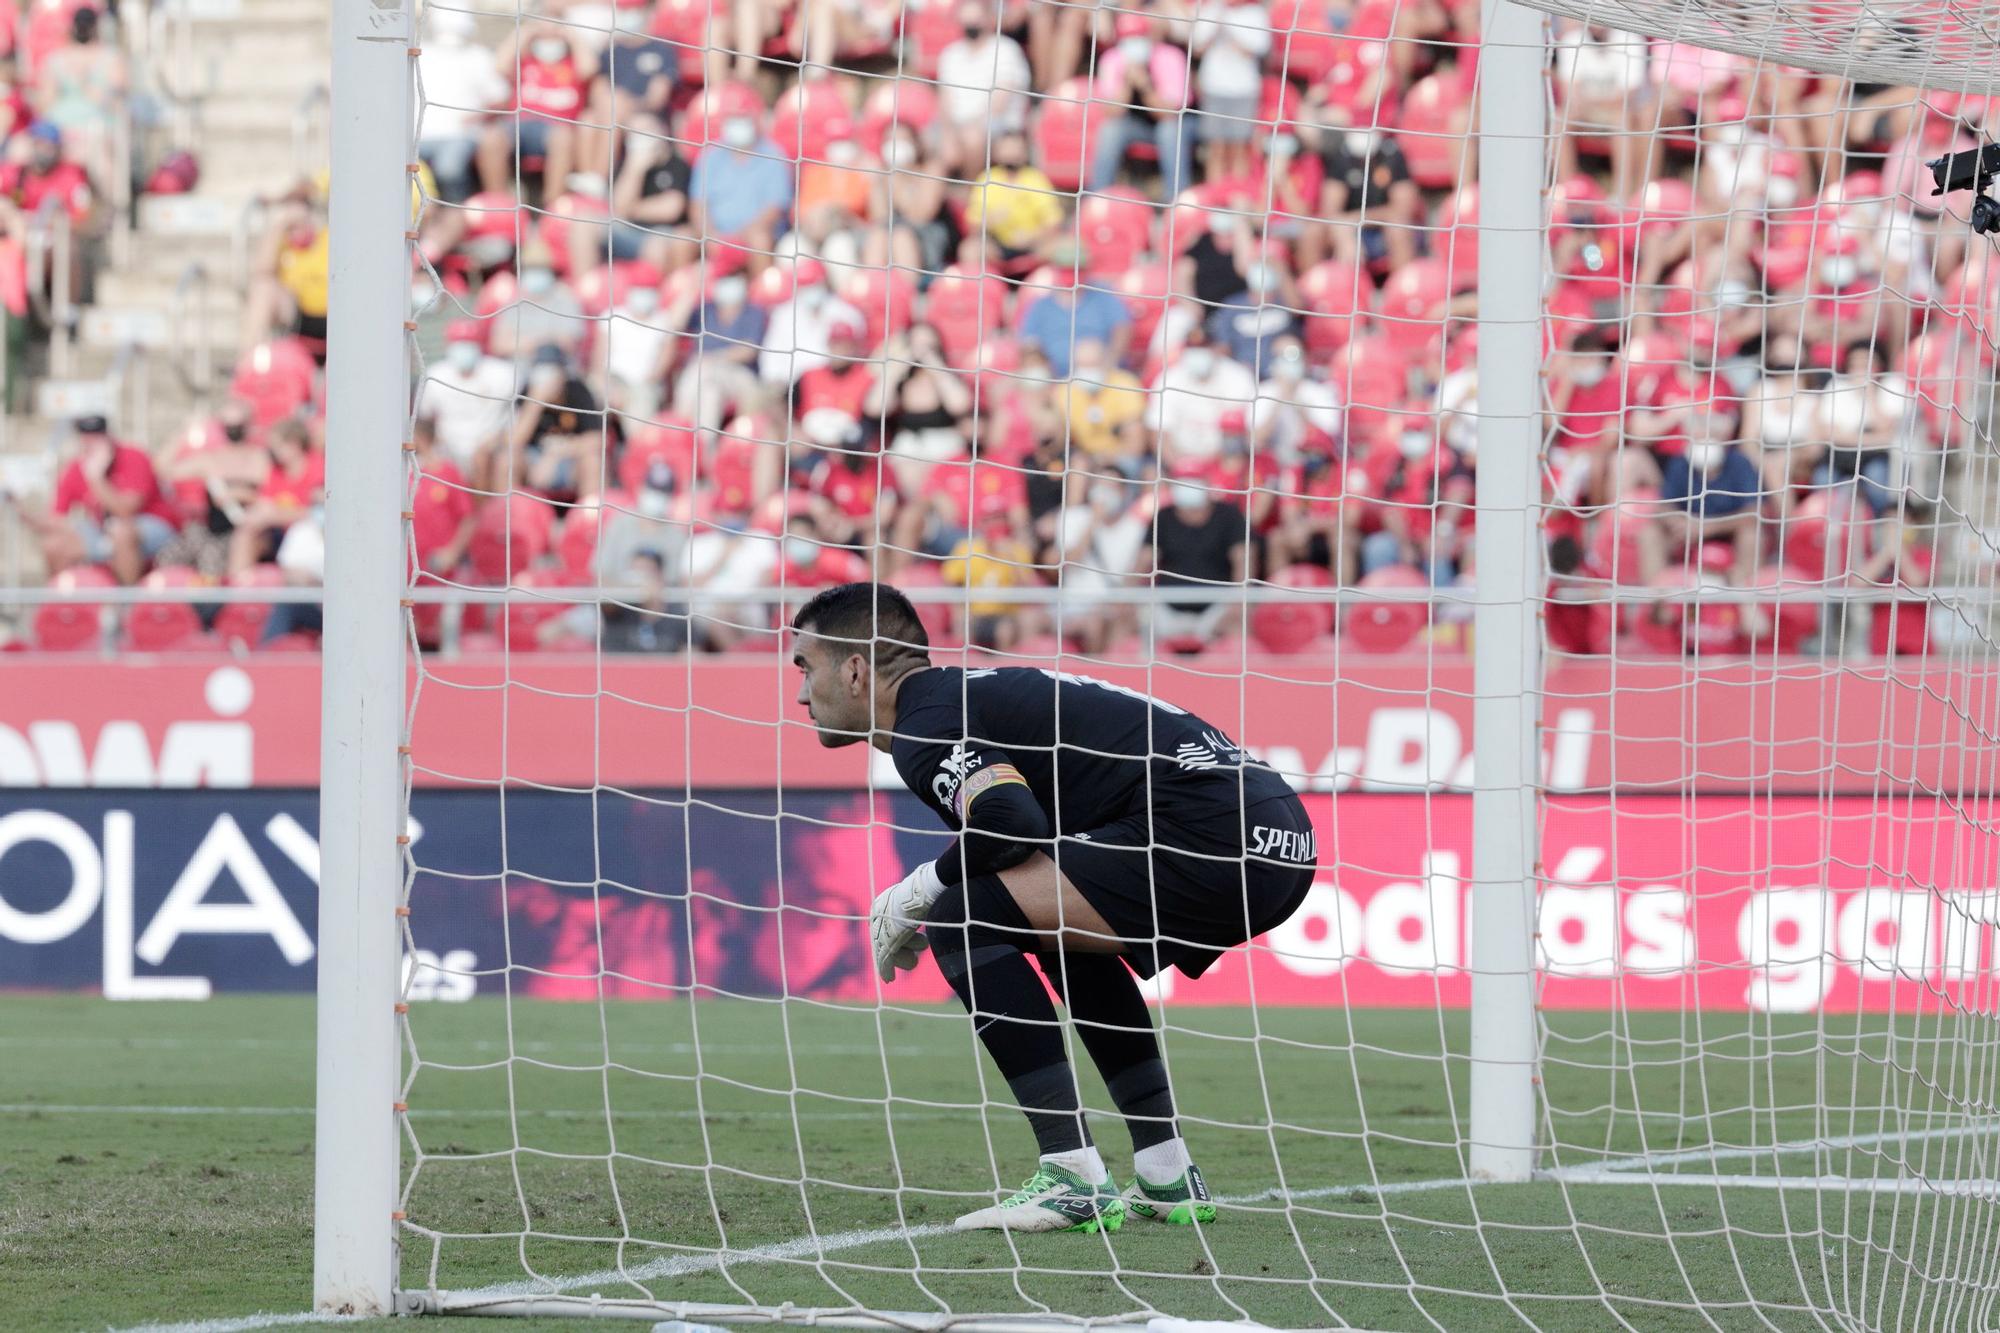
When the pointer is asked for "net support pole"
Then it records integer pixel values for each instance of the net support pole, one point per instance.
(1507, 583)
(361, 708)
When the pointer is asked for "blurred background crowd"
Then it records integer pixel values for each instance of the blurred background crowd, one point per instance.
(755, 297)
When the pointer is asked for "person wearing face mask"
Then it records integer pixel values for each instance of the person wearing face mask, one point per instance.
(649, 204)
(1781, 421)
(1197, 388)
(1710, 492)
(1198, 542)
(741, 189)
(1013, 204)
(460, 82)
(444, 513)
(1373, 210)
(645, 621)
(1143, 82)
(1247, 326)
(561, 433)
(81, 87)
(727, 332)
(549, 86)
(546, 312)
(1069, 312)
(631, 85)
(1231, 39)
(1867, 416)
(1105, 406)
(1294, 410)
(799, 336)
(639, 341)
(291, 275)
(983, 83)
(468, 394)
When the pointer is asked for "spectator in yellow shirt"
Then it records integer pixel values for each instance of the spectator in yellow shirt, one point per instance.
(1105, 406)
(1013, 203)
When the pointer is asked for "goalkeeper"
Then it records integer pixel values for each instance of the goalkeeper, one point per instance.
(1104, 832)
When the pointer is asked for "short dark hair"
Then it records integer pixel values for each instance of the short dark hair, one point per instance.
(868, 615)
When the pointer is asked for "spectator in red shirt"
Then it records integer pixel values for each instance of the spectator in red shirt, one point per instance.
(443, 515)
(549, 87)
(37, 171)
(846, 383)
(109, 508)
(295, 486)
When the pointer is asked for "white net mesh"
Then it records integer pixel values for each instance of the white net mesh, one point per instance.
(1142, 341)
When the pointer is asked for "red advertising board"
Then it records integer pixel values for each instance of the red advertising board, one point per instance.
(1364, 723)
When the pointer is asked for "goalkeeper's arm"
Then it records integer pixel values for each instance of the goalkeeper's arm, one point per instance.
(1003, 825)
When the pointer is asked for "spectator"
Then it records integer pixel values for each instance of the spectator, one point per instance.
(294, 487)
(16, 112)
(1197, 544)
(727, 333)
(1867, 417)
(215, 475)
(799, 335)
(469, 398)
(1198, 388)
(290, 282)
(1212, 269)
(630, 90)
(918, 198)
(846, 384)
(561, 434)
(1246, 326)
(1294, 411)
(1313, 524)
(1781, 418)
(1070, 312)
(443, 512)
(460, 84)
(1711, 492)
(1098, 545)
(548, 312)
(1231, 39)
(1014, 205)
(741, 190)
(548, 85)
(924, 407)
(1104, 410)
(36, 171)
(1145, 81)
(109, 508)
(649, 205)
(983, 81)
(639, 343)
(644, 621)
(1610, 99)
(81, 90)
(1373, 210)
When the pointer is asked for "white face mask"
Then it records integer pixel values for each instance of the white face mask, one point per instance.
(730, 292)
(1839, 271)
(549, 50)
(1261, 279)
(642, 301)
(1589, 375)
(800, 551)
(1414, 443)
(1186, 495)
(1136, 50)
(463, 356)
(842, 152)
(1290, 367)
(537, 281)
(1284, 146)
(1198, 361)
(899, 153)
(653, 504)
(1733, 293)
(1361, 142)
(1107, 499)
(739, 132)
(633, 18)
(1705, 456)
(811, 299)
(1781, 192)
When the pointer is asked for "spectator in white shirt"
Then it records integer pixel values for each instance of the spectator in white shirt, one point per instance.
(1231, 39)
(1198, 387)
(1293, 409)
(638, 348)
(983, 81)
(470, 395)
(460, 83)
(799, 336)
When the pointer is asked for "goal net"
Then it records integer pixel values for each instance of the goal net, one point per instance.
(1147, 342)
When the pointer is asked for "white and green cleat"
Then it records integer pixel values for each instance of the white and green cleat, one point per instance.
(1053, 1200)
(1180, 1203)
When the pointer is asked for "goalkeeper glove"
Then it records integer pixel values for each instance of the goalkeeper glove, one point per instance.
(893, 921)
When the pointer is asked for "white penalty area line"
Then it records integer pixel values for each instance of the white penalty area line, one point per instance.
(244, 1323)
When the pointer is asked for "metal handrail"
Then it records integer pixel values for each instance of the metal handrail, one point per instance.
(310, 123)
(119, 188)
(131, 371)
(200, 379)
(170, 51)
(48, 265)
(249, 223)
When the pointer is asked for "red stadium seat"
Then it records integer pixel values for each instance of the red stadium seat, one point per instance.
(576, 545)
(1114, 226)
(900, 102)
(1411, 304)
(1143, 288)
(887, 300)
(1291, 627)
(1304, 44)
(65, 627)
(1331, 291)
(563, 212)
(1457, 236)
(930, 26)
(511, 535)
(1792, 622)
(964, 308)
(1375, 385)
(1181, 226)
(1386, 627)
(701, 122)
(1433, 132)
(808, 116)
(692, 27)
(243, 622)
(158, 627)
(525, 618)
(299, 641)
(1063, 133)
(276, 378)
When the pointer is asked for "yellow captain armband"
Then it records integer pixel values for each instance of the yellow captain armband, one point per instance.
(981, 779)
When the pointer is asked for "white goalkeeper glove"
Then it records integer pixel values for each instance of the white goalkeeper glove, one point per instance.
(894, 920)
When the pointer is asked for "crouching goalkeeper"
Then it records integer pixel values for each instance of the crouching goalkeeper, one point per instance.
(1103, 832)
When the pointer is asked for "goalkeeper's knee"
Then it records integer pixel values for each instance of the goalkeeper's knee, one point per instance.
(974, 921)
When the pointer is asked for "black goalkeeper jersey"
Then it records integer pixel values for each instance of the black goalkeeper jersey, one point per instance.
(1014, 756)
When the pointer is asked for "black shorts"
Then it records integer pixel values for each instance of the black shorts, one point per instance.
(1187, 881)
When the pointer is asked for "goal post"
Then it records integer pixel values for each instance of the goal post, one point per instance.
(362, 726)
(1506, 814)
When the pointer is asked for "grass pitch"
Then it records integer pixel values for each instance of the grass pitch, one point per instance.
(156, 1166)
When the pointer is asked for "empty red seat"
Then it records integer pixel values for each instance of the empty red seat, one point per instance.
(692, 27)
(1331, 291)
(1387, 626)
(1304, 43)
(808, 116)
(511, 535)
(243, 622)
(527, 616)
(886, 299)
(701, 122)
(899, 102)
(1143, 288)
(158, 627)
(1115, 227)
(965, 308)
(1063, 133)
(1412, 304)
(1433, 132)
(72, 626)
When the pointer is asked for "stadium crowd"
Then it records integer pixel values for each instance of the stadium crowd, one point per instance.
(754, 297)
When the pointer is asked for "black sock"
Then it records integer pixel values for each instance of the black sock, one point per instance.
(980, 953)
(1110, 1015)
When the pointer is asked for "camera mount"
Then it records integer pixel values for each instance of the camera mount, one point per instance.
(1973, 169)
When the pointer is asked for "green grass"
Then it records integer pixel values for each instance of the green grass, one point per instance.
(185, 1191)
